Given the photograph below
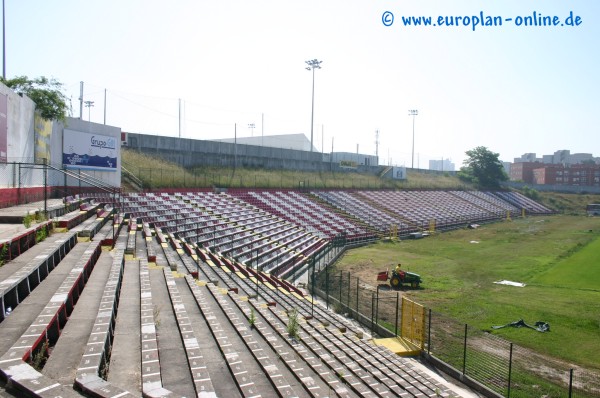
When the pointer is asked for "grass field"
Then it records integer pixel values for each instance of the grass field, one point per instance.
(556, 256)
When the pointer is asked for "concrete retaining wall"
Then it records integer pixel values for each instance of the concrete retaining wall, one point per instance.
(188, 153)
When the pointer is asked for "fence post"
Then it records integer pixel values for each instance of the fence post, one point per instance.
(327, 284)
(397, 303)
(341, 280)
(465, 351)
(570, 383)
(357, 295)
(429, 334)
(509, 369)
(377, 308)
(372, 311)
(45, 171)
(348, 298)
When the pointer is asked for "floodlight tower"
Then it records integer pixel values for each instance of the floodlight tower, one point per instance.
(312, 65)
(413, 113)
(89, 105)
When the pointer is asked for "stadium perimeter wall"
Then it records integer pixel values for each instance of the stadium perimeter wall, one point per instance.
(189, 153)
(30, 142)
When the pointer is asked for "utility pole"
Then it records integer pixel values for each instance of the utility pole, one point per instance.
(89, 104)
(179, 117)
(80, 100)
(105, 106)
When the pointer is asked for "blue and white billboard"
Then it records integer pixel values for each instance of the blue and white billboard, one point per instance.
(89, 151)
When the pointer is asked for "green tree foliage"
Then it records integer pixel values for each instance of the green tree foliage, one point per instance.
(482, 168)
(46, 93)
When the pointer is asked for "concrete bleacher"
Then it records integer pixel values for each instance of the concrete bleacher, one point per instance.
(166, 312)
(46, 327)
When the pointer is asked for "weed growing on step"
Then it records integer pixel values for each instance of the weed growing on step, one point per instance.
(156, 313)
(252, 318)
(3, 254)
(41, 234)
(39, 358)
(27, 220)
(292, 325)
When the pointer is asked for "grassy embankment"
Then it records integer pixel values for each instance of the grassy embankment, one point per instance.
(156, 173)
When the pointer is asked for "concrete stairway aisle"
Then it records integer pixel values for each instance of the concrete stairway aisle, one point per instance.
(66, 355)
(124, 370)
(173, 362)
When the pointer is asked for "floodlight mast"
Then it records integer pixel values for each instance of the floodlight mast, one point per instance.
(312, 65)
(413, 113)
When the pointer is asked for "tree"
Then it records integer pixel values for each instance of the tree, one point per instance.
(482, 168)
(45, 93)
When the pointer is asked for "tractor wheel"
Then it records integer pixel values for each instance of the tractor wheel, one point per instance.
(395, 282)
(414, 285)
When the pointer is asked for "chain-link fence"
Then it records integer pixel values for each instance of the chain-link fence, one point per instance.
(502, 367)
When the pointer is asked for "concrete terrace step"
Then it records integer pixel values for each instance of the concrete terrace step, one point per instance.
(16, 239)
(67, 353)
(307, 357)
(150, 366)
(124, 369)
(20, 276)
(359, 382)
(249, 378)
(94, 361)
(222, 381)
(197, 366)
(46, 328)
(21, 318)
(310, 380)
(284, 382)
(171, 349)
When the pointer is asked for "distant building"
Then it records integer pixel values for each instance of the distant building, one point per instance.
(298, 142)
(441, 165)
(564, 157)
(352, 160)
(578, 175)
(523, 171)
(560, 168)
(527, 158)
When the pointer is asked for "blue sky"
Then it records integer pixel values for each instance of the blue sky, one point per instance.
(513, 89)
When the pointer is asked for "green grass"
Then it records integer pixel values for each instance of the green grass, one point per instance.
(157, 173)
(556, 256)
(579, 270)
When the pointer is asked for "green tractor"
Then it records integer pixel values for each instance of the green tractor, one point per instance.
(400, 277)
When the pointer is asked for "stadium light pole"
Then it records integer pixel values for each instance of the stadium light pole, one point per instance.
(413, 113)
(251, 127)
(89, 105)
(312, 65)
